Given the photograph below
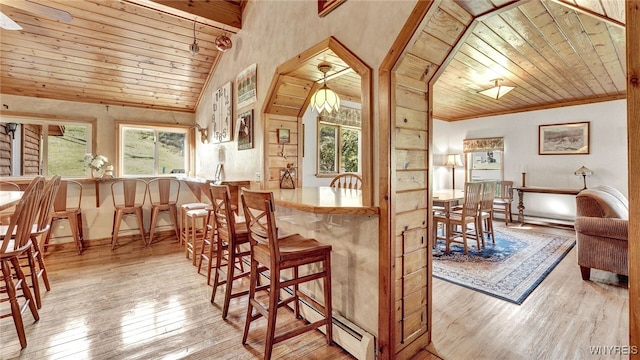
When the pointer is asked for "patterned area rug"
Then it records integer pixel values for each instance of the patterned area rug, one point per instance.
(510, 269)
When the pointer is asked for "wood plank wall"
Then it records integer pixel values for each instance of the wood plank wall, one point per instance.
(407, 76)
(633, 133)
(275, 161)
(5, 154)
(31, 149)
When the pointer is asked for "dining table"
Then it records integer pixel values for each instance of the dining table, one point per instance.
(447, 198)
(9, 198)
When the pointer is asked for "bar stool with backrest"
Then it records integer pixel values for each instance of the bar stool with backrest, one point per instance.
(278, 254)
(15, 242)
(485, 215)
(163, 195)
(128, 197)
(231, 236)
(468, 215)
(41, 227)
(347, 181)
(67, 206)
(503, 199)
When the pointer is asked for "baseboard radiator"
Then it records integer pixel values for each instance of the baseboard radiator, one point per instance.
(355, 340)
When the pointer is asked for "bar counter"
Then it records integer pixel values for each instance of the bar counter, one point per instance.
(337, 217)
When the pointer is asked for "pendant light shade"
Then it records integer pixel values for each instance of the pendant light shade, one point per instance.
(223, 43)
(497, 91)
(325, 99)
(194, 48)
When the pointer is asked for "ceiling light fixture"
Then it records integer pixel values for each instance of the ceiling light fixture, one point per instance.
(194, 48)
(223, 43)
(497, 91)
(325, 99)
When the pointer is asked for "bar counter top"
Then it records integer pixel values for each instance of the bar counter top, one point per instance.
(324, 200)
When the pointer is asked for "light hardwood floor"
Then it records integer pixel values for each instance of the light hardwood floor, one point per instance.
(561, 319)
(149, 303)
(142, 303)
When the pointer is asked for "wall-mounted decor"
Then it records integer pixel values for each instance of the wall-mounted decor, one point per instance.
(283, 136)
(246, 83)
(222, 114)
(245, 130)
(564, 139)
(288, 178)
(326, 6)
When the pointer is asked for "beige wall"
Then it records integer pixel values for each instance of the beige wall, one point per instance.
(277, 31)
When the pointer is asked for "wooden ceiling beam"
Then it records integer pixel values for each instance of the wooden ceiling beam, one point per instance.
(222, 15)
(590, 13)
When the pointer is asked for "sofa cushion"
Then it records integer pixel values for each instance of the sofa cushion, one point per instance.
(598, 203)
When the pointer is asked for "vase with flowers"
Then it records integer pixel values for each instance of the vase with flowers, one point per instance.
(96, 163)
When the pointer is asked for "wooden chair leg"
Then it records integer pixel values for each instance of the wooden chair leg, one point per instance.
(154, 219)
(327, 299)
(138, 212)
(117, 219)
(586, 272)
(13, 302)
(73, 224)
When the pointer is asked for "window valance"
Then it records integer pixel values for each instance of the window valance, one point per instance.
(483, 144)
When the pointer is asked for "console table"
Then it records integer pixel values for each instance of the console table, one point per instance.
(541, 190)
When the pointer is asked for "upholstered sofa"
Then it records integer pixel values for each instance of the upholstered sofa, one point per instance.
(602, 225)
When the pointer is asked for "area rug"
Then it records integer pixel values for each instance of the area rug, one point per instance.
(510, 269)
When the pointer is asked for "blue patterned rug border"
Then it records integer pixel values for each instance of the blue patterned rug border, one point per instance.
(526, 292)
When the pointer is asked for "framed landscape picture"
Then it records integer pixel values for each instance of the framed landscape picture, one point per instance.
(564, 139)
(246, 83)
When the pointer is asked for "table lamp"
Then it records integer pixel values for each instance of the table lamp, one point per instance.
(453, 160)
(584, 172)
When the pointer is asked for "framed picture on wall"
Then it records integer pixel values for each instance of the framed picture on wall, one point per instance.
(245, 130)
(564, 139)
(283, 136)
(246, 83)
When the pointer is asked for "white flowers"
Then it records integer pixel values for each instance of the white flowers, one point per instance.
(95, 162)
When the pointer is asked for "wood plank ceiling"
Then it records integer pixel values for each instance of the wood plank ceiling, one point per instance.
(136, 53)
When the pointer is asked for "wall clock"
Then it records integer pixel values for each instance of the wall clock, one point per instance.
(222, 111)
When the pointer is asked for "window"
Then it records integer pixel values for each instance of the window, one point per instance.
(42, 146)
(153, 150)
(338, 148)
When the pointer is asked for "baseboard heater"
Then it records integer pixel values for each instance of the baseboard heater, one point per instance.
(355, 340)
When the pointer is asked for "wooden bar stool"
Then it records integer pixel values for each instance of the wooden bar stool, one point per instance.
(278, 254)
(16, 241)
(128, 197)
(163, 195)
(195, 232)
(35, 264)
(231, 235)
(67, 206)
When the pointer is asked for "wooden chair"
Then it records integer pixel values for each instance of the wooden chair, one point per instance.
(128, 197)
(163, 195)
(16, 241)
(468, 215)
(230, 237)
(7, 186)
(195, 224)
(485, 211)
(278, 254)
(41, 227)
(347, 181)
(503, 199)
(67, 206)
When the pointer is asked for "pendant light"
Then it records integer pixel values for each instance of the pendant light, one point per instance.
(325, 99)
(223, 43)
(194, 48)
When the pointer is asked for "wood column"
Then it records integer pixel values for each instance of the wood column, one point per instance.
(633, 134)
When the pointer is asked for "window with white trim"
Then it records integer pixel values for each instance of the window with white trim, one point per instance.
(149, 150)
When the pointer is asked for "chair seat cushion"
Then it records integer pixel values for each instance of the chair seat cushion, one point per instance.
(294, 247)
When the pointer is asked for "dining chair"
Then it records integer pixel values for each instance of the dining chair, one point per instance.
(503, 199)
(231, 245)
(278, 254)
(16, 241)
(485, 211)
(463, 218)
(128, 195)
(163, 196)
(347, 181)
(7, 186)
(40, 228)
(67, 206)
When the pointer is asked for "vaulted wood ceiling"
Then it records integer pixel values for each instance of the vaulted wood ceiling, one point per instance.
(136, 53)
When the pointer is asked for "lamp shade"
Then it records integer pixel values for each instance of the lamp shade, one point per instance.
(325, 99)
(497, 91)
(583, 171)
(452, 160)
